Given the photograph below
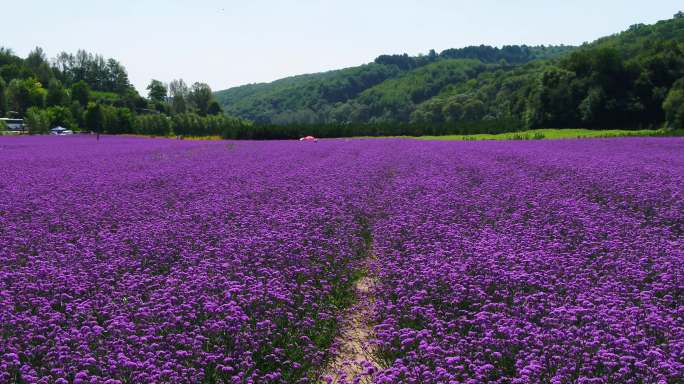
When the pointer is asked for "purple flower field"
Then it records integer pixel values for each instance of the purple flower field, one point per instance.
(134, 260)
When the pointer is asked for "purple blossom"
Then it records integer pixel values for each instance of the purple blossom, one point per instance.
(148, 260)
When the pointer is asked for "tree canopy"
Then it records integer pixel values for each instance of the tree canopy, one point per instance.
(626, 80)
(85, 91)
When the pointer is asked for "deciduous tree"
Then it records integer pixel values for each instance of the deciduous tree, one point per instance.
(157, 91)
(200, 97)
(94, 117)
(80, 92)
(37, 120)
(25, 93)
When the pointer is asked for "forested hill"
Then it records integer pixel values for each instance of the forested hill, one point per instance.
(323, 97)
(625, 80)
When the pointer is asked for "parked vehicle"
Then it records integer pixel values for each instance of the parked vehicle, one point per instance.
(61, 131)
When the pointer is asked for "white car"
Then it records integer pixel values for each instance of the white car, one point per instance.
(61, 131)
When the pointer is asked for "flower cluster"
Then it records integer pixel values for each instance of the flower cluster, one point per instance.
(138, 261)
(134, 260)
(546, 262)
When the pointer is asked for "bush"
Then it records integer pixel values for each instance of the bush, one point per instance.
(37, 120)
(674, 106)
(62, 116)
(191, 124)
(157, 125)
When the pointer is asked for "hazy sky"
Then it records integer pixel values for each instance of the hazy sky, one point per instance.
(228, 43)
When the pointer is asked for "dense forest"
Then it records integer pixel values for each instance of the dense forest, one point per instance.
(633, 79)
(85, 91)
(385, 91)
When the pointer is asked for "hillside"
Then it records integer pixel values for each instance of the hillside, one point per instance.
(626, 80)
(332, 96)
(619, 81)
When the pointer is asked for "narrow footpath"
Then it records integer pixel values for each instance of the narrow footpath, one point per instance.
(355, 358)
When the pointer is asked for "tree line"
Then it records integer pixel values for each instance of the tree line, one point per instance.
(384, 91)
(333, 130)
(629, 80)
(85, 91)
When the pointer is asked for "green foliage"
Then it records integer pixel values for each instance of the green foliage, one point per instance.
(95, 117)
(191, 124)
(316, 97)
(61, 116)
(118, 120)
(78, 113)
(178, 91)
(214, 108)
(3, 97)
(56, 94)
(12, 66)
(153, 124)
(200, 97)
(85, 90)
(347, 95)
(511, 54)
(553, 134)
(674, 106)
(621, 80)
(331, 130)
(37, 63)
(157, 91)
(98, 73)
(3, 126)
(394, 100)
(80, 92)
(499, 93)
(23, 94)
(37, 120)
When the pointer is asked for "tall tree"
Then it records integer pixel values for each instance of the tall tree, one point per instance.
(674, 106)
(94, 117)
(56, 94)
(157, 91)
(200, 97)
(214, 108)
(80, 92)
(37, 120)
(178, 91)
(125, 121)
(37, 62)
(3, 97)
(61, 116)
(117, 77)
(25, 93)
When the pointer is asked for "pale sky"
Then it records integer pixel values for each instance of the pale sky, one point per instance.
(229, 43)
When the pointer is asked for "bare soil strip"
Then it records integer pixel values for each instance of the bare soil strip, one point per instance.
(355, 357)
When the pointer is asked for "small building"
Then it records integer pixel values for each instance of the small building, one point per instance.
(14, 125)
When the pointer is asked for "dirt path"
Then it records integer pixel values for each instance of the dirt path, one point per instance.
(355, 358)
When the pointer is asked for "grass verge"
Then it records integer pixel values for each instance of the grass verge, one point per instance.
(569, 133)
